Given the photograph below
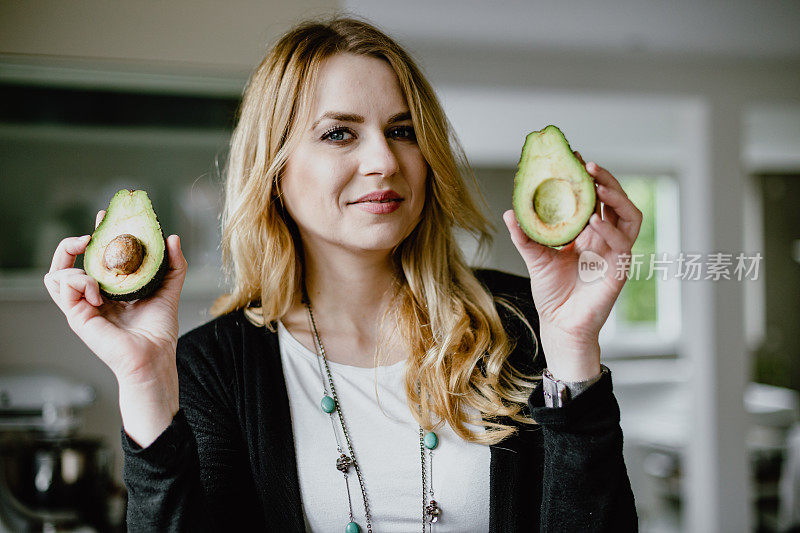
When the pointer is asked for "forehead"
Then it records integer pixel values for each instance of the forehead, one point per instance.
(363, 85)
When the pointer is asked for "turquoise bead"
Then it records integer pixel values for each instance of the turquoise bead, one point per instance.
(327, 403)
(431, 440)
(352, 527)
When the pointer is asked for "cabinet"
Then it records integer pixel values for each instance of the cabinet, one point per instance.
(64, 152)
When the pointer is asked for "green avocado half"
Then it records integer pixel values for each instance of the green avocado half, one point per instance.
(554, 195)
(127, 253)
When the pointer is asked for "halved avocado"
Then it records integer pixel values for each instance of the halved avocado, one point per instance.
(554, 195)
(127, 253)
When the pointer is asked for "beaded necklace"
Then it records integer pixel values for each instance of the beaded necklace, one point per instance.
(330, 404)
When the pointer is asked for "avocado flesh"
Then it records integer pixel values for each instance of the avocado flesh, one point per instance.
(129, 213)
(554, 195)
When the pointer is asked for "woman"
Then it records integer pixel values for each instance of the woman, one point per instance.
(357, 345)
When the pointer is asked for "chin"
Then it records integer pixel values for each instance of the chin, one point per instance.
(377, 241)
(376, 246)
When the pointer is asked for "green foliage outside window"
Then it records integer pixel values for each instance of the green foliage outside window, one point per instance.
(637, 301)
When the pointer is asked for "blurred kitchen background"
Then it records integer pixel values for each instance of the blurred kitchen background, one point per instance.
(694, 106)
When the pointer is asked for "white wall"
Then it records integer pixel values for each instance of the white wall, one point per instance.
(230, 36)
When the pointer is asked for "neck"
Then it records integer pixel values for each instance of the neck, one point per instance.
(349, 290)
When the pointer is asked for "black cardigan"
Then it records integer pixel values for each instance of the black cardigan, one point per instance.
(227, 460)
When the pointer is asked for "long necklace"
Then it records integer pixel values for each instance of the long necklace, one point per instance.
(430, 510)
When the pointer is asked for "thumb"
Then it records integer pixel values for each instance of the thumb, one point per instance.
(178, 266)
(531, 251)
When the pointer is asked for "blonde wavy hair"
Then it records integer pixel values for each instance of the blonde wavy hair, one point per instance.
(459, 348)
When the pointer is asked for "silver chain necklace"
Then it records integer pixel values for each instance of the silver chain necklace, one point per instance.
(330, 404)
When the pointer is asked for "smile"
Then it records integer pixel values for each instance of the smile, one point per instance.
(379, 202)
(379, 207)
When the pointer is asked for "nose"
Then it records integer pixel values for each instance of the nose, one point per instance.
(378, 157)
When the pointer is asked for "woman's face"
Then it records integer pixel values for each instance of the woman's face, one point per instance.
(360, 140)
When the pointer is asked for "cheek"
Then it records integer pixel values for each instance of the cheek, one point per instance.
(314, 187)
(298, 178)
(420, 178)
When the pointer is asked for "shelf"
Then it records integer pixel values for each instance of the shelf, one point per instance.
(28, 285)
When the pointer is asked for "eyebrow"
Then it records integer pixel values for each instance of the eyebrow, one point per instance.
(349, 117)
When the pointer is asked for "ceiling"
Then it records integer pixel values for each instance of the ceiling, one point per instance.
(733, 28)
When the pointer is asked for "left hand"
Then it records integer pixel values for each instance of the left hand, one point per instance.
(571, 311)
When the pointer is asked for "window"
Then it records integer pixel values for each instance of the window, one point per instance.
(645, 320)
(646, 317)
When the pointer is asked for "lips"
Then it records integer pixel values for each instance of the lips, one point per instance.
(379, 202)
(379, 196)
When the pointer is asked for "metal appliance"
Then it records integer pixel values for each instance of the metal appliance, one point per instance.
(51, 478)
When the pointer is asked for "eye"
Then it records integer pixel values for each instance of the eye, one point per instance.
(404, 132)
(336, 134)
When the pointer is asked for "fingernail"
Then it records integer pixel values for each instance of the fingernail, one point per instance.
(84, 237)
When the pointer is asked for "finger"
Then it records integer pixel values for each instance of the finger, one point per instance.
(518, 236)
(66, 252)
(629, 217)
(530, 250)
(598, 205)
(52, 287)
(616, 240)
(59, 275)
(56, 282)
(178, 266)
(604, 177)
(99, 218)
(87, 288)
(77, 287)
(607, 212)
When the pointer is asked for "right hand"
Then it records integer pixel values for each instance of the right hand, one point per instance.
(136, 340)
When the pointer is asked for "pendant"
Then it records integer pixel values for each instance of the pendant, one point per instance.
(343, 463)
(433, 512)
(328, 404)
(431, 440)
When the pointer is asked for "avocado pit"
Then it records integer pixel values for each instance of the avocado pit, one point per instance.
(124, 254)
(554, 201)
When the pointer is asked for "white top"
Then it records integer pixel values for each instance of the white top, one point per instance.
(386, 444)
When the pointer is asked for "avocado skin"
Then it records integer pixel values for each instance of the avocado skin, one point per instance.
(550, 239)
(148, 289)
